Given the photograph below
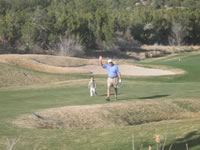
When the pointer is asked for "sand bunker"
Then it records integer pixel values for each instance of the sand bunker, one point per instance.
(66, 65)
(129, 70)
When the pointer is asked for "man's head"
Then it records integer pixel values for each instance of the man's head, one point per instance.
(110, 62)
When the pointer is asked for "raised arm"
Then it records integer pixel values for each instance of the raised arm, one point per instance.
(100, 61)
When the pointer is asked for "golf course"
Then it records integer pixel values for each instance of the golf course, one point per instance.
(45, 104)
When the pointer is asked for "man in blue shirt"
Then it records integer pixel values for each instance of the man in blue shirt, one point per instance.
(114, 77)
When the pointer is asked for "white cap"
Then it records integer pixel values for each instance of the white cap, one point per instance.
(109, 60)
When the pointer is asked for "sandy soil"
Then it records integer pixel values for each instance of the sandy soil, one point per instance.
(66, 65)
(129, 70)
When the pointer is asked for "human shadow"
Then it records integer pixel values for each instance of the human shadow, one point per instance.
(192, 139)
(98, 94)
(126, 99)
(101, 94)
(154, 96)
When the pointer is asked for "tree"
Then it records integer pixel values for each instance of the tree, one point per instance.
(191, 4)
(70, 46)
(180, 20)
(174, 3)
(11, 26)
(29, 36)
(194, 28)
(142, 29)
(4, 5)
(178, 34)
(31, 23)
(161, 27)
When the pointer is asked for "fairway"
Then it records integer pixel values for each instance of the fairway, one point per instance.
(168, 106)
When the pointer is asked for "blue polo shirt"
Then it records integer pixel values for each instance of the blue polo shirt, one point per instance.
(112, 70)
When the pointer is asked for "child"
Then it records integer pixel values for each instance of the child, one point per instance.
(92, 86)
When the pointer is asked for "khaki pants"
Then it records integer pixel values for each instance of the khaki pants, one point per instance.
(113, 82)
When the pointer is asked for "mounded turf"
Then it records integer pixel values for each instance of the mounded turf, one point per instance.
(18, 98)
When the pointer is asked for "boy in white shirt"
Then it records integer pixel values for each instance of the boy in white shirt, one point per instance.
(92, 86)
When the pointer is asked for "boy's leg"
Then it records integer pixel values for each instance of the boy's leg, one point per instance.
(95, 91)
(91, 92)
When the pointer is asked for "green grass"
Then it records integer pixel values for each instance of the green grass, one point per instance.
(188, 62)
(15, 101)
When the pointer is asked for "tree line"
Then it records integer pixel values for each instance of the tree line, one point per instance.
(89, 24)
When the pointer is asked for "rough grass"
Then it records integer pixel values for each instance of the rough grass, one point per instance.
(113, 115)
(62, 61)
(10, 75)
(13, 76)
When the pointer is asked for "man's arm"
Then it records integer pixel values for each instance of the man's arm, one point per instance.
(119, 75)
(100, 61)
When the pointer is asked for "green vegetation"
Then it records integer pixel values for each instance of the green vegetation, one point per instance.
(51, 24)
(181, 90)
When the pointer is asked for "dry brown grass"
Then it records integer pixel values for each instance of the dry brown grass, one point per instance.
(171, 49)
(62, 61)
(14, 76)
(149, 51)
(113, 114)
